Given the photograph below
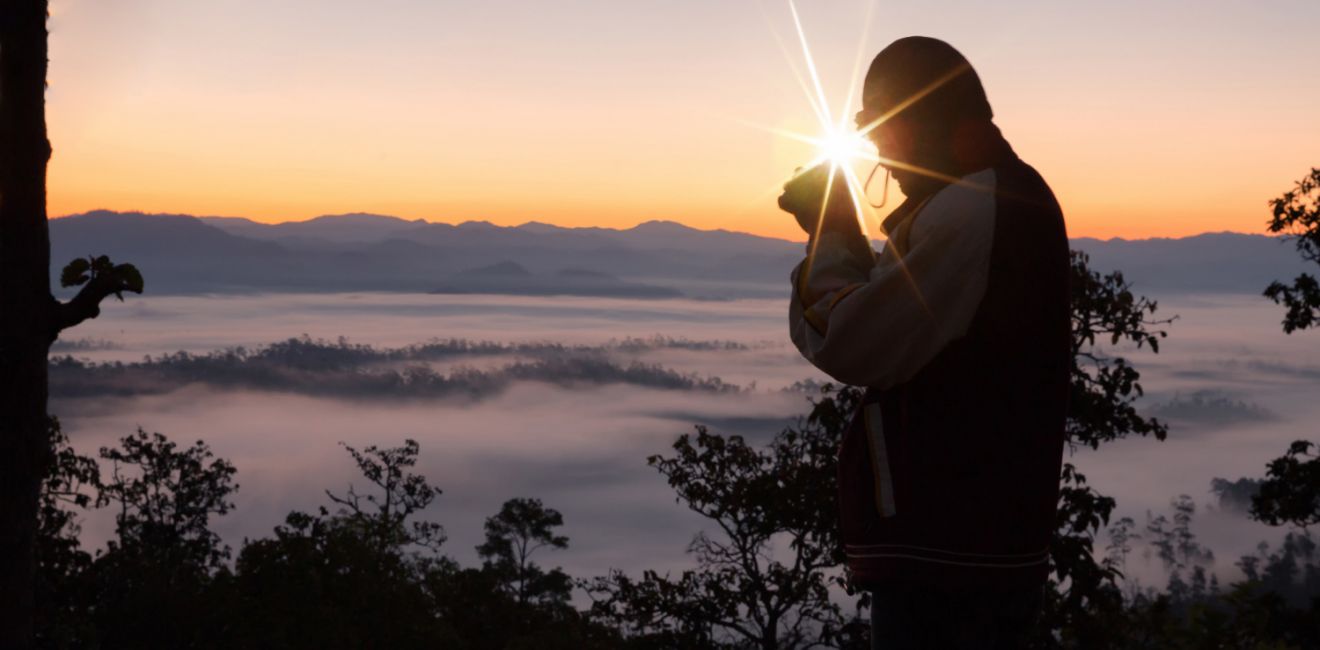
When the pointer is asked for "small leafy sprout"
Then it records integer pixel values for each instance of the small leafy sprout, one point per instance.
(123, 277)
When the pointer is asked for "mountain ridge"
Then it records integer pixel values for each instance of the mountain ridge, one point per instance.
(541, 226)
(368, 252)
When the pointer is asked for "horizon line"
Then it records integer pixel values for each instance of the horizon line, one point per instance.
(534, 222)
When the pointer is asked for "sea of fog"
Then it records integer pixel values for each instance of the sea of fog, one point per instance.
(1234, 388)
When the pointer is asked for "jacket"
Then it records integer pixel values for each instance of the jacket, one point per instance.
(960, 330)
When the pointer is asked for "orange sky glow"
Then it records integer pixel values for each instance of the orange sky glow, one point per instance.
(1148, 119)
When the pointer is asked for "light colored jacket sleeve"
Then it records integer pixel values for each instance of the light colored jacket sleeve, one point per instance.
(877, 323)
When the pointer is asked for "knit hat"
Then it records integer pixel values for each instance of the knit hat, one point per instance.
(945, 87)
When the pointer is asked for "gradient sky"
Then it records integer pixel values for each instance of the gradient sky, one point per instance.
(1154, 118)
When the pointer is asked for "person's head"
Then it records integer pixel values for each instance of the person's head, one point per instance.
(925, 94)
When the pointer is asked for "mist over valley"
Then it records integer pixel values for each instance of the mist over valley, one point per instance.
(565, 397)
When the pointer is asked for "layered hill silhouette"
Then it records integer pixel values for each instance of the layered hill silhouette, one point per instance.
(182, 254)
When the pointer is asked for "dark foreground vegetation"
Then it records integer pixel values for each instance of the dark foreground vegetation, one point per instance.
(368, 569)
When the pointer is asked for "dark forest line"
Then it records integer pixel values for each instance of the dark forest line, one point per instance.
(342, 369)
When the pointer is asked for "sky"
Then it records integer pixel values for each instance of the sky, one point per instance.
(1149, 119)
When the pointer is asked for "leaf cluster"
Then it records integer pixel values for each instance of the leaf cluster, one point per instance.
(764, 577)
(99, 269)
(1296, 214)
(167, 494)
(1290, 493)
(520, 529)
(384, 513)
(1105, 387)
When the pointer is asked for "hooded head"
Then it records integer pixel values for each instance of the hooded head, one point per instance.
(934, 113)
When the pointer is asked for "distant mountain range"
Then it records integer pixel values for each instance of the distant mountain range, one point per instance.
(181, 254)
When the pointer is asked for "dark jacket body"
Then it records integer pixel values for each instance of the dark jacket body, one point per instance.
(951, 477)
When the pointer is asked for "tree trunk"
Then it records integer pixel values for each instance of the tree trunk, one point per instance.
(26, 306)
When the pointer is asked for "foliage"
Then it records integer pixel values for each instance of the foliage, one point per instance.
(166, 497)
(763, 578)
(1235, 496)
(152, 583)
(70, 483)
(510, 601)
(1290, 492)
(384, 518)
(99, 269)
(522, 527)
(1083, 597)
(331, 582)
(1101, 403)
(1297, 214)
(1172, 540)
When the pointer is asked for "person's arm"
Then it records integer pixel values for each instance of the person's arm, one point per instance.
(877, 324)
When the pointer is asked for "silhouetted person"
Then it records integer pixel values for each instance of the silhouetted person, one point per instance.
(959, 329)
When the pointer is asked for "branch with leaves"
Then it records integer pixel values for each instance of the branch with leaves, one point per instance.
(401, 494)
(765, 575)
(99, 279)
(1290, 493)
(1105, 312)
(1296, 214)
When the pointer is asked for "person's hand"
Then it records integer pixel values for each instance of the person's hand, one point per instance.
(804, 198)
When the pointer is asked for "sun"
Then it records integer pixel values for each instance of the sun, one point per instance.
(836, 143)
(843, 147)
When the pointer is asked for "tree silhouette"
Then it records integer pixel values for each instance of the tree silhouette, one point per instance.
(509, 601)
(1178, 550)
(384, 516)
(1291, 573)
(69, 484)
(152, 586)
(522, 527)
(1083, 599)
(166, 496)
(1297, 214)
(1290, 492)
(326, 581)
(763, 578)
(370, 575)
(1101, 403)
(354, 578)
(30, 317)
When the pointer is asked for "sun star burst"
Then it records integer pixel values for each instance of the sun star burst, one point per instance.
(840, 145)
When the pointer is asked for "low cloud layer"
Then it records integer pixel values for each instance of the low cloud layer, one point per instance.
(581, 445)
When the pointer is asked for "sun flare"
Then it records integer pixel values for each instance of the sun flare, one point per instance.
(836, 142)
(843, 147)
